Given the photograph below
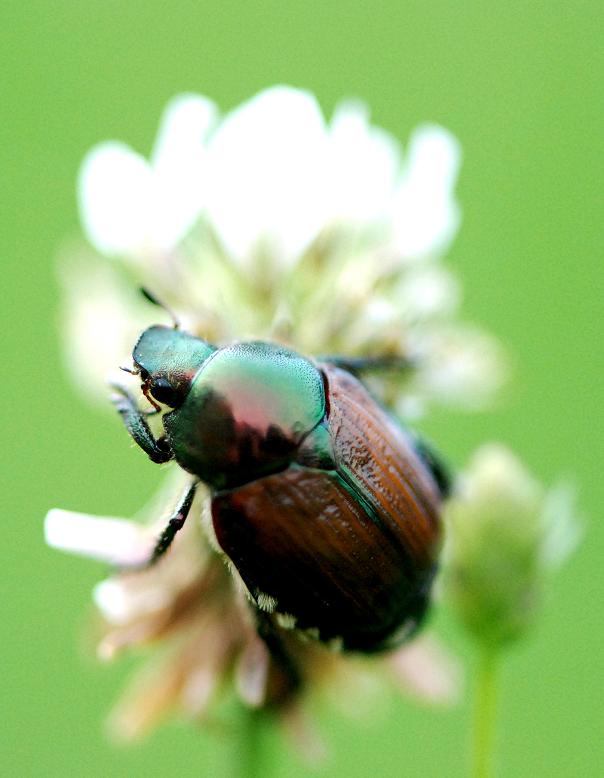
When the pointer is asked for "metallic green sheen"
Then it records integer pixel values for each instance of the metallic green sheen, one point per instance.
(165, 352)
(247, 411)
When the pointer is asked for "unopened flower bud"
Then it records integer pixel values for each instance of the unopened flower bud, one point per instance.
(503, 526)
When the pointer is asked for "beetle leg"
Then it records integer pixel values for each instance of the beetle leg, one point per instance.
(268, 632)
(175, 523)
(158, 450)
(164, 541)
(432, 459)
(356, 365)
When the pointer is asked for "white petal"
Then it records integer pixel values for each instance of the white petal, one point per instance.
(179, 166)
(364, 162)
(426, 214)
(115, 193)
(116, 541)
(198, 689)
(459, 365)
(121, 601)
(266, 165)
(426, 292)
(426, 670)
(185, 124)
(251, 672)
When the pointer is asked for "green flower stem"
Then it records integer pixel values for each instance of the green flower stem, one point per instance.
(485, 715)
(248, 753)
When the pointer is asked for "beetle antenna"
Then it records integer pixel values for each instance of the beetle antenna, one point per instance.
(154, 301)
(128, 370)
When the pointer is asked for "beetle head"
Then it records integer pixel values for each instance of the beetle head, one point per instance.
(167, 359)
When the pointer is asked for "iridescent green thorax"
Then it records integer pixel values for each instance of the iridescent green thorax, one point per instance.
(247, 411)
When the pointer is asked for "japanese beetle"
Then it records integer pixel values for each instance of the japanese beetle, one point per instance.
(326, 506)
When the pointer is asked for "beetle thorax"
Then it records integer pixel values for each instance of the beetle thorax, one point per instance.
(247, 411)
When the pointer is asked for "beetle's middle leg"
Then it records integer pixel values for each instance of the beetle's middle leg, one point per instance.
(175, 523)
(292, 679)
(135, 421)
(437, 466)
(359, 365)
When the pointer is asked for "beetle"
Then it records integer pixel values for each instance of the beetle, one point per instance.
(328, 508)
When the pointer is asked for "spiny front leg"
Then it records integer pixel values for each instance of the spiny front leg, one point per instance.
(158, 450)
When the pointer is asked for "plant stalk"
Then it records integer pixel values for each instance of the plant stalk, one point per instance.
(485, 717)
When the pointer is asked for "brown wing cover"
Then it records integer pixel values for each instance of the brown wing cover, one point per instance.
(349, 552)
(373, 452)
(301, 537)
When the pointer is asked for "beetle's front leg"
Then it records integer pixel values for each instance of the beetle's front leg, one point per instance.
(134, 419)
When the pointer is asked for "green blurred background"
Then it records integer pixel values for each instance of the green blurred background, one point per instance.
(521, 86)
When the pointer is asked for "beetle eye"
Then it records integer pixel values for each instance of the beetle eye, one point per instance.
(162, 391)
(144, 375)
